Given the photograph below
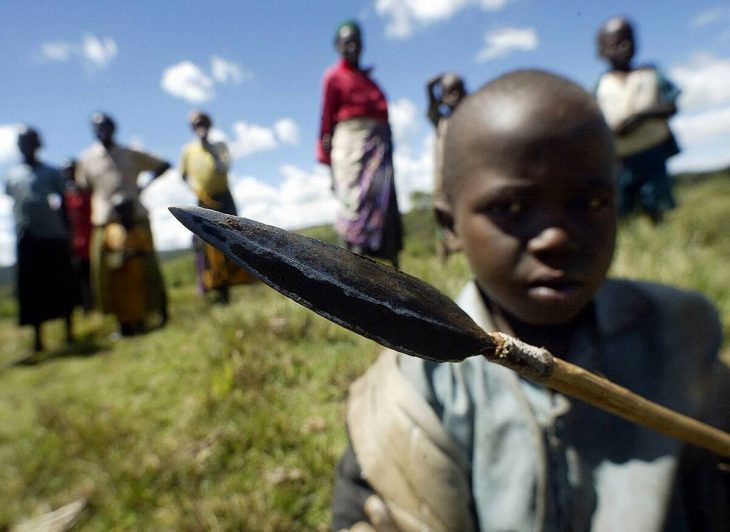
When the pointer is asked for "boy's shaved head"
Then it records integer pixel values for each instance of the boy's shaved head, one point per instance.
(515, 111)
(528, 175)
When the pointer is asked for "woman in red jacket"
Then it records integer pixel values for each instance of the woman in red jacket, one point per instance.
(355, 141)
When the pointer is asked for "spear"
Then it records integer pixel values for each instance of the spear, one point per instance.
(408, 315)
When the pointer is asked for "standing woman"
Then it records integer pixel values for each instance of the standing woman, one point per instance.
(204, 166)
(110, 171)
(45, 284)
(355, 141)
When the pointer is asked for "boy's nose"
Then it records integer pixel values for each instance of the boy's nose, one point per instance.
(553, 240)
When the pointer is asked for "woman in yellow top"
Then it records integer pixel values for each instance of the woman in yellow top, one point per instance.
(204, 166)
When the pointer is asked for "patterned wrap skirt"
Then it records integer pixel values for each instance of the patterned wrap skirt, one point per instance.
(362, 170)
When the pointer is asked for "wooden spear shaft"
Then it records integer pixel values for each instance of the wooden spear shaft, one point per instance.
(540, 366)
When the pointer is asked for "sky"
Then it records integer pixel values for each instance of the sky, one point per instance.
(256, 67)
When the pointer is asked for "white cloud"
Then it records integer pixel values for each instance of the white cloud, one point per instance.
(252, 138)
(703, 80)
(404, 120)
(168, 189)
(99, 51)
(503, 41)
(94, 51)
(57, 51)
(302, 199)
(709, 16)
(188, 81)
(9, 143)
(702, 125)
(7, 232)
(287, 131)
(248, 190)
(9, 156)
(413, 171)
(405, 16)
(185, 80)
(227, 71)
(701, 158)
(704, 138)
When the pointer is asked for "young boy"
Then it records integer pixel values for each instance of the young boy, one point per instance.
(529, 180)
(444, 93)
(637, 103)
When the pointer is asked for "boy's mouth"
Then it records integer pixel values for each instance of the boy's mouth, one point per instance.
(553, 288)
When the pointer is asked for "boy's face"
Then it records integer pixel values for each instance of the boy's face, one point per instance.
(452, 91)
(535, 214)
(616, 45)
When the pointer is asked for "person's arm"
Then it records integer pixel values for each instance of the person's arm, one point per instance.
(659, 110)
(151, 164)
(157, 172)
(81, 178)
(664, 108)
(222, 157)
(60, 184)
(184, 164)
(434, 102)
(327, 120)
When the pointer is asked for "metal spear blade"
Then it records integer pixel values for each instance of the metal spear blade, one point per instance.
(410, 316)
(388, 306)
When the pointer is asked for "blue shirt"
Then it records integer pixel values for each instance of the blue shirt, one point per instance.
(38, 196)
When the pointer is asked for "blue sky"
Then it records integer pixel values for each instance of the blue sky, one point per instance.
(256, 67)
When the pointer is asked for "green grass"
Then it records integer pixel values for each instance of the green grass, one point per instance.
(232, 418)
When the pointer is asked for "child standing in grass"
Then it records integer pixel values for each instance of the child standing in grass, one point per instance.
(529, 167)
(445, 92)
(637, 103)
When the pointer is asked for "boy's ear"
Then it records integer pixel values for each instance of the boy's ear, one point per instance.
(445, 219)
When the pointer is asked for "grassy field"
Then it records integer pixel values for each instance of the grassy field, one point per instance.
(232, 417)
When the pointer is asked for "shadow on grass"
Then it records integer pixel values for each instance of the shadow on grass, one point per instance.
(78, 349)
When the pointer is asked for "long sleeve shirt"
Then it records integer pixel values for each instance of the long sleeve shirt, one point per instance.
(348, 93)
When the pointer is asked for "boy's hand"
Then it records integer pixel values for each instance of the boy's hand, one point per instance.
(379, 516)
(628, 125)
(327, 143)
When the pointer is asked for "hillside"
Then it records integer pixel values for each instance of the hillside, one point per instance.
(232, 417)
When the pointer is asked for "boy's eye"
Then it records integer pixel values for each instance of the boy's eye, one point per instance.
(591, 203)
(510, 208)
